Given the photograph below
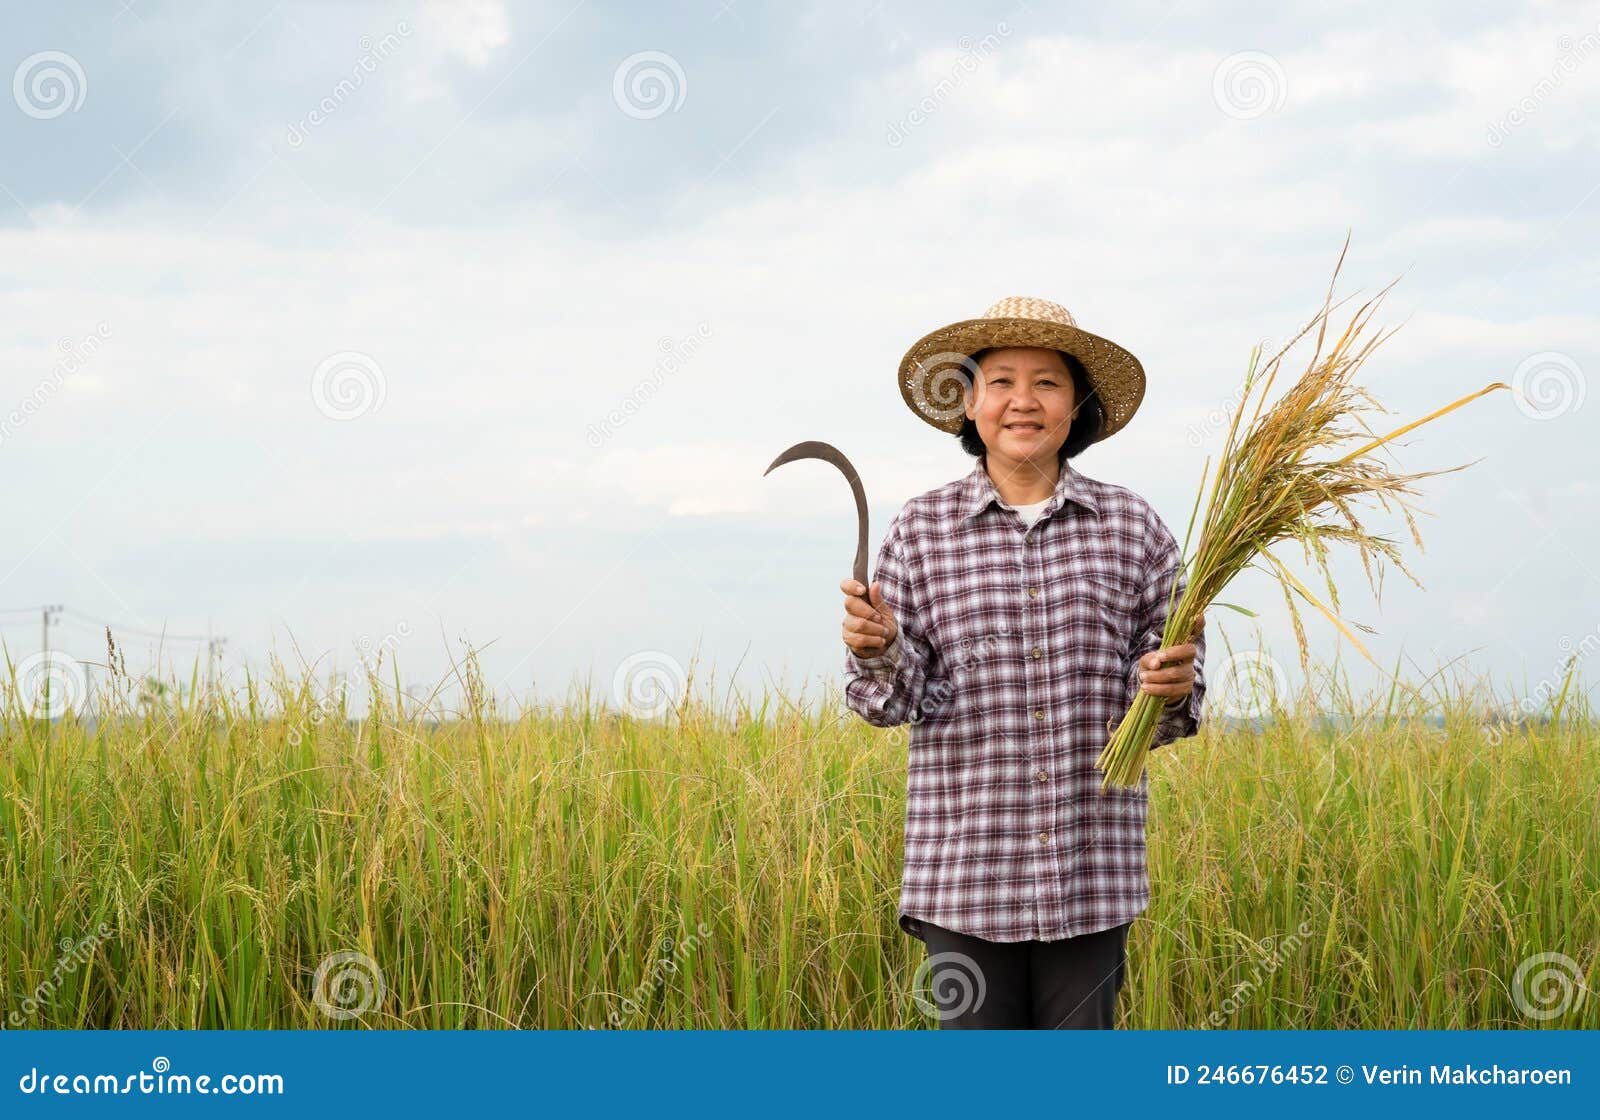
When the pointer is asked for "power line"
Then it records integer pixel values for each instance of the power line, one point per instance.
(114, 627)
(117, 627)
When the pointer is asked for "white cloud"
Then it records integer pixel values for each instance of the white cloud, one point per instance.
(471, 29)
(1493, 347)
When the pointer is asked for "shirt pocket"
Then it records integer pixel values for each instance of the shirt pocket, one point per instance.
(1104, 610)
(1116, 596)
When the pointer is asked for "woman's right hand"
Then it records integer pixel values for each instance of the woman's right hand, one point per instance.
(869, 631)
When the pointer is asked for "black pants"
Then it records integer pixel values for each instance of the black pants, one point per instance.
(1022, 985)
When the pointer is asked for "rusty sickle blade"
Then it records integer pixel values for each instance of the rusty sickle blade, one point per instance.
(816, 449)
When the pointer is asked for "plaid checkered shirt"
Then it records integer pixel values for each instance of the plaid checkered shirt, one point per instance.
(1018, 648)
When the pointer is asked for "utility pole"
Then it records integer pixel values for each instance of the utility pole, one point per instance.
(47, 613)
(213, 655)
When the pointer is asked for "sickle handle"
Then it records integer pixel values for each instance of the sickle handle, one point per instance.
(859, 569)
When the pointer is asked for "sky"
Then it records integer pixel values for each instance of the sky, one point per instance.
(331, 328)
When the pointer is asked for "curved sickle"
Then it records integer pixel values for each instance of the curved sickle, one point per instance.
(816, 449)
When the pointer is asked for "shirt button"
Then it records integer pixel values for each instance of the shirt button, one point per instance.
(1033, 592)
(1036, 652)
(1042, 776)
(1038, 713)
(1044, 838)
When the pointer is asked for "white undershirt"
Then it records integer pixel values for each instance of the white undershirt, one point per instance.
(1030, 513)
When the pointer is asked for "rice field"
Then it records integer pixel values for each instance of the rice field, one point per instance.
(260, 860)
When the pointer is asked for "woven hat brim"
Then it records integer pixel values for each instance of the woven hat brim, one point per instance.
(931, 378)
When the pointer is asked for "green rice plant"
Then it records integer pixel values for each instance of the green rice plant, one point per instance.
(735, 863)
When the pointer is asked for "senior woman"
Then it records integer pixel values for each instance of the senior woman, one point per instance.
(1015, 614)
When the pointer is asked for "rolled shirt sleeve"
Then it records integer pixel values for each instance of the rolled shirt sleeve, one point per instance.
(886, 689)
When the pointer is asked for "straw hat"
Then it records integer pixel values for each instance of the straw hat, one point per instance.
(938, 366)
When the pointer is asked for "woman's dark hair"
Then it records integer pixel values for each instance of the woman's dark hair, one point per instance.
(1086, 426)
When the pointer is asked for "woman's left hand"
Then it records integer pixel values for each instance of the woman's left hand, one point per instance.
(1175, 680)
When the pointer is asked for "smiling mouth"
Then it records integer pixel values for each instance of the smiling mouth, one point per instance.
(1025, 427)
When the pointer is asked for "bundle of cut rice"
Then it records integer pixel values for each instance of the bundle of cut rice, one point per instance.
(1278, 479)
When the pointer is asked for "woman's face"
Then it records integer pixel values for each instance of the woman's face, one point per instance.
(1023, 404)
